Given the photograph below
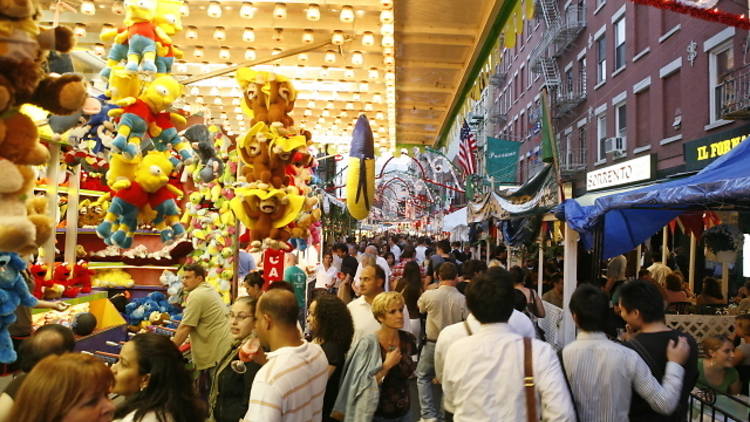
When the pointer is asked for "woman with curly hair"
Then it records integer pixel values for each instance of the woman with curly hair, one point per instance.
(331, 325)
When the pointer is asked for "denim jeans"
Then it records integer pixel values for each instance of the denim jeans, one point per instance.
(428, 404)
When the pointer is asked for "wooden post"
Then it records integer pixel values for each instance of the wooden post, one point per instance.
(725, 280)
(570, 282)
(71, 229)
(664, 240)
(53, 167)
(540, 269)
(691, 267)
(638, 260)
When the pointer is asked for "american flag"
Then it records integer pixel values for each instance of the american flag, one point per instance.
(467, 150)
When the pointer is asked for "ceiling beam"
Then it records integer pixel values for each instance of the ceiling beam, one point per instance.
(439, 40)
(421, 106)
(417, 133)
(430, 65)
(415, 121)
(426, 88)
(429, 29)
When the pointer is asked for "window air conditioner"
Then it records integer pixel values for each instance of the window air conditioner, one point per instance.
(614, 145)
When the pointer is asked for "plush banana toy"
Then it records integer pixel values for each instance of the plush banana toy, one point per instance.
(360, 185)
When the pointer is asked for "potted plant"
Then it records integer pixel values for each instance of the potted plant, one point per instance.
(723, 241)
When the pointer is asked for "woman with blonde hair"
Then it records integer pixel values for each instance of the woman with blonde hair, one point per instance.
(375, 381)
(65, 388)
(716, 370)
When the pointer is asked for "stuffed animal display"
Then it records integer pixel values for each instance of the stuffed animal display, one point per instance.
(13, 292)
(153, 309)
(277, 205)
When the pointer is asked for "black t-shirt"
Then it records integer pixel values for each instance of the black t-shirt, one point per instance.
(349, 265)
(234, 391)
(336, 356)
(653, 349)
(394, 391)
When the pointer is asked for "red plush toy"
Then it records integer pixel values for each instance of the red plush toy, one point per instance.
(82, 276)
(62, 277)
(38, 273)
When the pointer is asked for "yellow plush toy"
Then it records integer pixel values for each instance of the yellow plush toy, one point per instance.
(266, 212)
(141, 35)
(139, 114)
(168, 19)
(360, 185)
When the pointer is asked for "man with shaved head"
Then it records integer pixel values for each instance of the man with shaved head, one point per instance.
(291, 385)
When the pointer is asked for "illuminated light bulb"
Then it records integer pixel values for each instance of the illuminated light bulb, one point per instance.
(313, 12)
(247, 10)
(330, 56)
(388, 51)
(278, 34)
(357, 58)
(248, 35)
(386, 29)
(79, 30)
(195, 91)
(191, 33)
(368, 39)
(250, 53)
(337, 122)
(324, 70)
(214, 10)
(198, 52)
(387, 41)
(220, 34)
(347, 14)
(217, 101)
(205, 67)
(239, 117)
(373, 73)
(308, 112)
(199, 100)
(88, 8)
(364, 86)
(276, 51)
(349, 72)
(386, 4)
(381, 129)
(337, 38)
(325, 113)
(279, 11)
(356, 96)
(185, 9)
(237, 110)
(390, 76)
(379, 115)
(236, 102)
(99, 50)
(329, 105)
(386, 16)
(181, 68)
(224, 53)
(377, 98)
(389, 60)
(321, 120)
(350, 106)
(308, 37)
(118, 8)
(368, 107)
(223, 116)
(302, 57)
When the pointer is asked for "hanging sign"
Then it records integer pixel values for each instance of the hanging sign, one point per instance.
(502, 160)
(273, 266)
(701, 152)
(624, 173)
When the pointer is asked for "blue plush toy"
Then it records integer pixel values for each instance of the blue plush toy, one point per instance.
(13, 291)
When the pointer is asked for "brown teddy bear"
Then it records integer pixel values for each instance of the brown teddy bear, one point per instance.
(281, 101)
(24, 224)
(23, 80)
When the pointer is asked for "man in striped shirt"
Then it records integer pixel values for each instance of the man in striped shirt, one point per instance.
(291, 385)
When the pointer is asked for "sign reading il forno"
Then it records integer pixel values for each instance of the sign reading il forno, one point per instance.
(635, 170)
(703, 151)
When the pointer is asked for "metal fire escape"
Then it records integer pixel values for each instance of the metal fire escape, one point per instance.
(561, 31)
(496, 115)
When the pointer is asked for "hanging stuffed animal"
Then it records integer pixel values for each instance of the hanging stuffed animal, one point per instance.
(138, 114)
(24, 223)
(164, 135)
(254, 98)
(141, 35)
(13, 292)
(200, 138)
(168, 19)
(266, 212)
(281, 96)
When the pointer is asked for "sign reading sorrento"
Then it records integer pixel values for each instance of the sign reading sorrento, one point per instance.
(630, 171)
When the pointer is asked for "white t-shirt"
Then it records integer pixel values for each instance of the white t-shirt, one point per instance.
(382, 263)
(396, 251)
(419, 253)
(325, 279)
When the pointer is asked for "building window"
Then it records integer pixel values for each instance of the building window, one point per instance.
(579, 155)
(522, 76)
(601, 59)
(620, 44)
(720, 63)
(601, 134)
(600, 3)
(529, 76)
(621, 123)
(569, 80)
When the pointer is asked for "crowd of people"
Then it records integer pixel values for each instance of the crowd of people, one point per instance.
(382, 316)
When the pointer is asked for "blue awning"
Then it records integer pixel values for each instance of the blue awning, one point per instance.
(632, 217)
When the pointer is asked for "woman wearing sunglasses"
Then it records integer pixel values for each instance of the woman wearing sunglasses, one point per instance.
(230, 389)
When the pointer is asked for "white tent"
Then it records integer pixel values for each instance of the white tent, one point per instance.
(457, 225)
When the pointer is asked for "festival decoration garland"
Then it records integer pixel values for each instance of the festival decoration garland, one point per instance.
(712, 15)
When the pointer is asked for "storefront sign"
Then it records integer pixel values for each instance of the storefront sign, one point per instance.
(273, 266)
(702, 152)
(630, 171)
